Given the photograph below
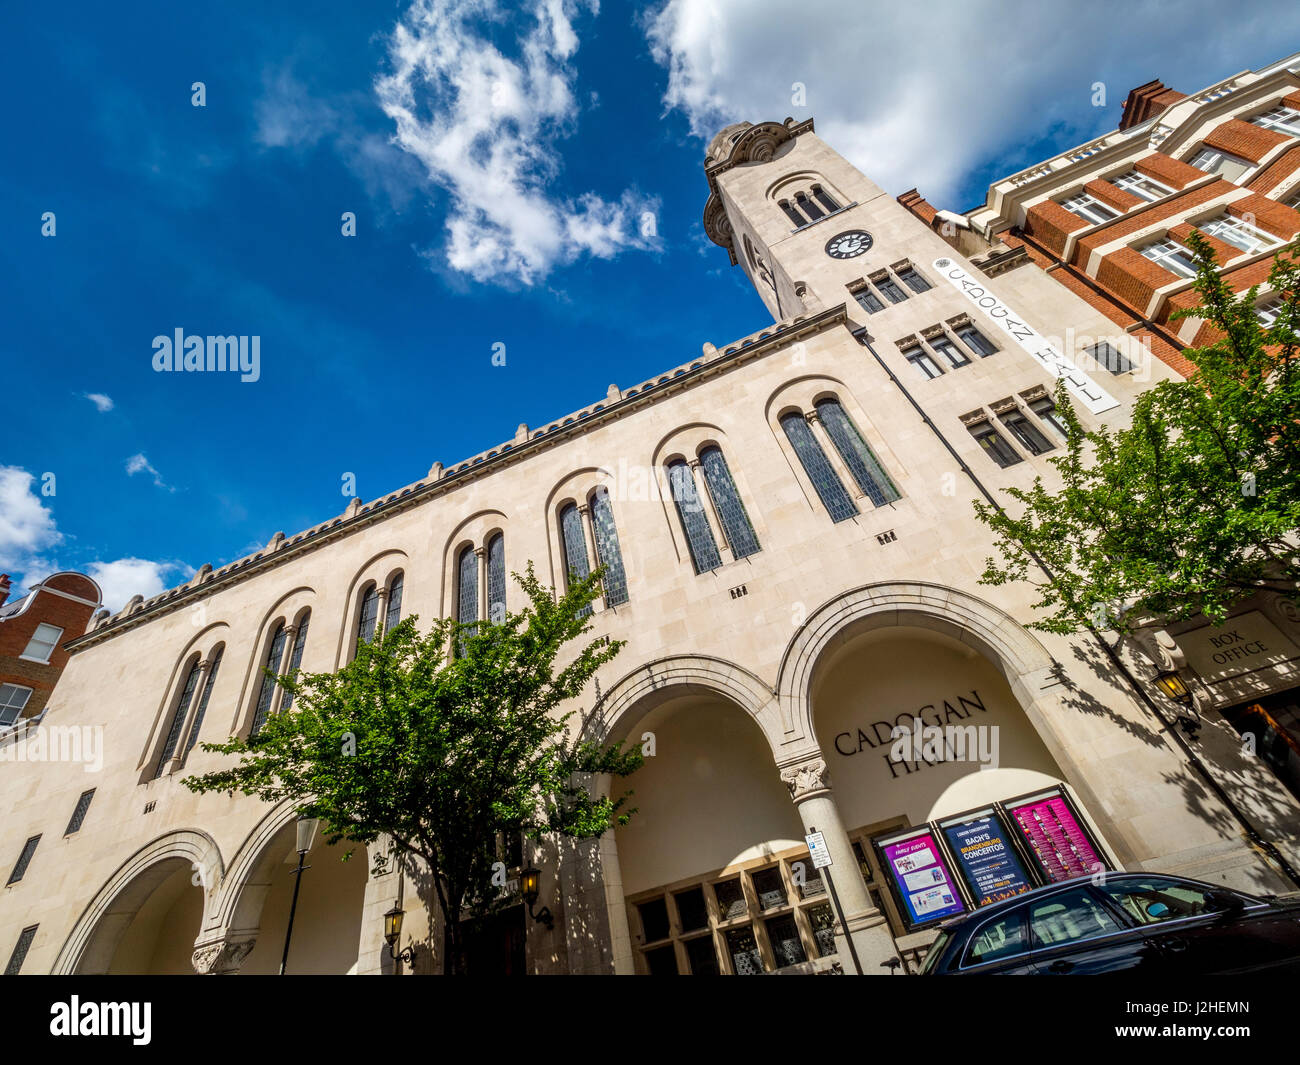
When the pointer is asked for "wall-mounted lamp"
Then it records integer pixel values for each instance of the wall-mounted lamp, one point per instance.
(393, 933)
(530, 881)
(1173, 687)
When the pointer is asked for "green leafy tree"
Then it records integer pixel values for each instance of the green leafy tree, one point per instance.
(443, 752)
(1195, 505)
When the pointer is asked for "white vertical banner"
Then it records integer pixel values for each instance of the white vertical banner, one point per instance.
(1081, 386)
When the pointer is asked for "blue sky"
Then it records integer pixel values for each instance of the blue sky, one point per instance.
(501, 160)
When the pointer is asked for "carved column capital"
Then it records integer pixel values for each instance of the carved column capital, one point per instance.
(222, 956)
(807, 779)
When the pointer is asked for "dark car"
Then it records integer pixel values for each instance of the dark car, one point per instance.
(1123, 922)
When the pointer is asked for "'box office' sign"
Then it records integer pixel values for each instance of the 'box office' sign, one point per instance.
(996, 852)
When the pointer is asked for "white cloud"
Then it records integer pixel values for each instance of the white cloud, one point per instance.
(103, 403)
(126, 577)
(27, 526)
(288, 116)
(486, 127)
(921, 98)
(139, 464)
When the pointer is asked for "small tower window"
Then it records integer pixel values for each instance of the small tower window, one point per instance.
(825, 198)
(791, 213)
(808, 206)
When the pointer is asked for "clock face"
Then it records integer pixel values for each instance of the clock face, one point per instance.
(848, 244)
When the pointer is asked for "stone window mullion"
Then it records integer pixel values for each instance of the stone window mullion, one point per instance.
(178, 755)
(711, 514)
(833, 455)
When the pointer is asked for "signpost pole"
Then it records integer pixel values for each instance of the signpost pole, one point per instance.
(839, 910)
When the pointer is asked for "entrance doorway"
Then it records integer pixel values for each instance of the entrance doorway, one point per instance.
(494, 945)
(1274, 722)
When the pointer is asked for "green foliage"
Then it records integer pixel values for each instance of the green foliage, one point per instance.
(441, 753)
(1195, 505)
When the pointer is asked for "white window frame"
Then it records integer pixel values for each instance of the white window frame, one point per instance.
(1213, 161)
(1240, 234)
(1281, 118)
(54, 643)
(921, 359)
(1293, 200)
(6, 706)
(1086, 206)
(1135, 183)
(1266, 312)
(1168, 253)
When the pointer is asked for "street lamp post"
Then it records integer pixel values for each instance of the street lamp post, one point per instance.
(306, 829)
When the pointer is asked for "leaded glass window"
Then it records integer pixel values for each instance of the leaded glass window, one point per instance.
(19, 955)
(745, 959)
(786, 945)
(79, 814)
(823, 926)
(467, 593)
(608, 553)
(868, 300)
(702, 957)
(369, 615)
(690, 512)
(575, 548)
(24, 860)
(731, 511)
(496, 578)
(274, 656)
(394, 613)
(892, 292)
(203, 702)
(178, 719)
(830, 489)
(295, 658)
(856, 453)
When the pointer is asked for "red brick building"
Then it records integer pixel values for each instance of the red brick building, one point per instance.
(1110, 219)
(33, 631)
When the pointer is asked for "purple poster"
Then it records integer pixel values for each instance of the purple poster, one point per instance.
(922, 879)
(1057, 839)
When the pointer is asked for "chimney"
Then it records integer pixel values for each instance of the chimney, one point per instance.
(4, 588)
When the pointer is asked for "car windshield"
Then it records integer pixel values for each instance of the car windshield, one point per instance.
(936, 948)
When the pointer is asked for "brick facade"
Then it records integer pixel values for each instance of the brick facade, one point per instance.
(1050, 224)
(44, 604)
(1244, 139)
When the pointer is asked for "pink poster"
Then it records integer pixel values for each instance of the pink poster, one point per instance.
(1057, 839)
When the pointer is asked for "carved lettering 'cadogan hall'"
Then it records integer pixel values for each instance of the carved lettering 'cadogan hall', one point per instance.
(793, 561)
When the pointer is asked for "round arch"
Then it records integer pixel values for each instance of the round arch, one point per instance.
(93, 940)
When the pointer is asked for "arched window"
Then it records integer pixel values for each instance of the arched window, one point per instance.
(203, 703)
(394, 613)
(817, 466)
(608, 553)
(726, 500)
(575, 547)
(808, 207)
(856, 453)
(825, 198)
(274, 656)
(179, 714)
(496, 579)
(295, 657)
(369, 614)
(690, 512)
(467, 587)
(791, 213)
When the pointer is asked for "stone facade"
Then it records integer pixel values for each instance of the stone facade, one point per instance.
(745, 675)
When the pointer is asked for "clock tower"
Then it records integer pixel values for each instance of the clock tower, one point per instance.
(800, 220)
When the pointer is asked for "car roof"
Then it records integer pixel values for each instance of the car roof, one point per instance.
(955, 924)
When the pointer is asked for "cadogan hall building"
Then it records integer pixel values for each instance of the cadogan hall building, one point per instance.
(793, 559)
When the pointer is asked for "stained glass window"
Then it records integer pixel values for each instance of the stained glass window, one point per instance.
(690, 511)
(496, 578)
(178, 720)
(274, 655)
(467, 592)
(203, 702)
(295, 658)
(731, 511)
(830, 489)
(856, 453)
(394, 613)
(369, 614)
(575, 548)
(608, 553)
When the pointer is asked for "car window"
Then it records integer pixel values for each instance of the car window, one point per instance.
(998, 939)
(1155, 899)
(1069, 917)
(936, 949)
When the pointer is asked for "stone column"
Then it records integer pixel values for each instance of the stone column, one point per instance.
(178, 755)
(381, 609)
(589, 538)
(809, 782)
(481, 554)
(834, 457)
